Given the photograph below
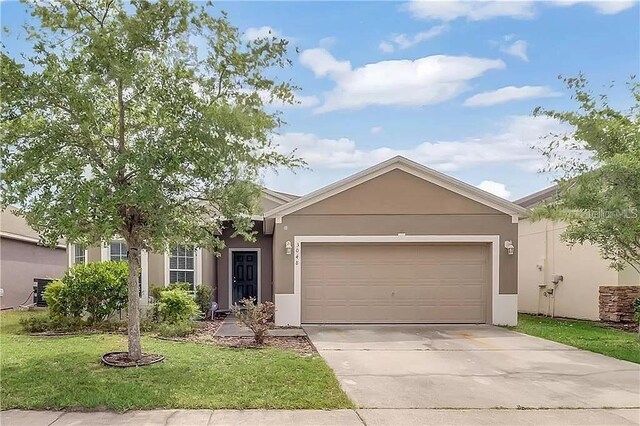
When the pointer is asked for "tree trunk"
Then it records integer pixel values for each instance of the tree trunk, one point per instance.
(135, 345)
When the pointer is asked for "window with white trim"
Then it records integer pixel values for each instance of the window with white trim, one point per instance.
(79, 255)
(118, 251)
(182, 265)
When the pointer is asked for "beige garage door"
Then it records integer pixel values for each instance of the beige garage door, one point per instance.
(395, 283)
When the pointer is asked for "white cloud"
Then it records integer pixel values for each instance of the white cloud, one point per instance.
(606, 7)
(301, 101)
(254, 33)
(471, 10)
(386, 47)
(518, 49)
(495, 188)
(424, 81)
(376, 129)
(509, 94)
(404, 41)
(322, 63)
(479, 10)
(511, 144)
(327, 42)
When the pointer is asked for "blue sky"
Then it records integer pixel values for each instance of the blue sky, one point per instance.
(448, 84)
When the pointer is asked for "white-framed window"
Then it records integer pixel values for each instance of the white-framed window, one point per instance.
(79, 255)
(76, 255)
(118, 251)
(182, 265)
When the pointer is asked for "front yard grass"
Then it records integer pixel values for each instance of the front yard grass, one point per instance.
(66, 373)
(587, 335)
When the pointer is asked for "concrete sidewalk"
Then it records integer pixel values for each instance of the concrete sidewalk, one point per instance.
(367, 417)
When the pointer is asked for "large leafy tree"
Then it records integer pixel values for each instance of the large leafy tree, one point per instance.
(145, 120)
(598, 167)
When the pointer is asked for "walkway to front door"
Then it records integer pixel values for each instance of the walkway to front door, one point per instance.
(244, 275)
(231, 328)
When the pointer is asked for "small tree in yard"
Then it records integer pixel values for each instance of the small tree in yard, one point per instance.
(598, 163)
(143, 120)
(258, 317)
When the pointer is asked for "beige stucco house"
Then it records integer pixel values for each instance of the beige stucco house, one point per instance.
(22, 260)
(585, 275)
(395, 243)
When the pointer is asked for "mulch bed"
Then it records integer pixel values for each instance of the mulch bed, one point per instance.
(121, 359)
(299, 344)
(207, 329)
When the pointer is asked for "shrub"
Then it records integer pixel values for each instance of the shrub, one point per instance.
(175, 306)
(55, 298)
(156, 290)
(60, 324)
(66, 324)
(35, 324)
(257, 317)
(204, 295)
(99, 287)
(178, 329)
(636, 309)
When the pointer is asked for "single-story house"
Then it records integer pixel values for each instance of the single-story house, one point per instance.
(395, 243)
(589, 288)
(22, 260)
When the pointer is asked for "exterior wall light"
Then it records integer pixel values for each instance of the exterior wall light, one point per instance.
(287, 246)
(509, 246)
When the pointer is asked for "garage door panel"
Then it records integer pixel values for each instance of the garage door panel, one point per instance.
(418, 283)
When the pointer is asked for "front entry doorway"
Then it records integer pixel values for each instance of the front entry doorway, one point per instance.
(244, 275)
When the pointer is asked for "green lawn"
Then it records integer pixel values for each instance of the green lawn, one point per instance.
(65, 372)
(587, 335)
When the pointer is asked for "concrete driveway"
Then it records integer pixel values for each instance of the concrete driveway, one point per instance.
(470, 367)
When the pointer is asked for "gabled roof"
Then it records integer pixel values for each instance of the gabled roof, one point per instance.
(537, 197)
(279, 197)
(408, 166)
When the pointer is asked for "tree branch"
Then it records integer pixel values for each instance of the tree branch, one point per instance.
(84, 9)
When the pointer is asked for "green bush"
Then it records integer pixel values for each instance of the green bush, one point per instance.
(156, 290)
(55, 298)
(176, 306)
(59, 324)
(204, 295)
(99, 289)
(35, 324)
(179, 329)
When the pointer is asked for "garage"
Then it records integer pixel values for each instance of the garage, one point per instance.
(396, 283)
(397, 243)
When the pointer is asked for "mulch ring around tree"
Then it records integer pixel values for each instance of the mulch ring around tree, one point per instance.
(121, 359)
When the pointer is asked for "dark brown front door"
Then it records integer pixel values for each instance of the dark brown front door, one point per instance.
(245, 275)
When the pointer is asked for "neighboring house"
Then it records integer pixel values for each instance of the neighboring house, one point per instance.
(22, 260)
(396, 243)
(586, 277)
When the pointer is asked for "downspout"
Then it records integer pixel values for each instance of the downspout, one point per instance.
(217, 292)
(546, 265)
(555, 285)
